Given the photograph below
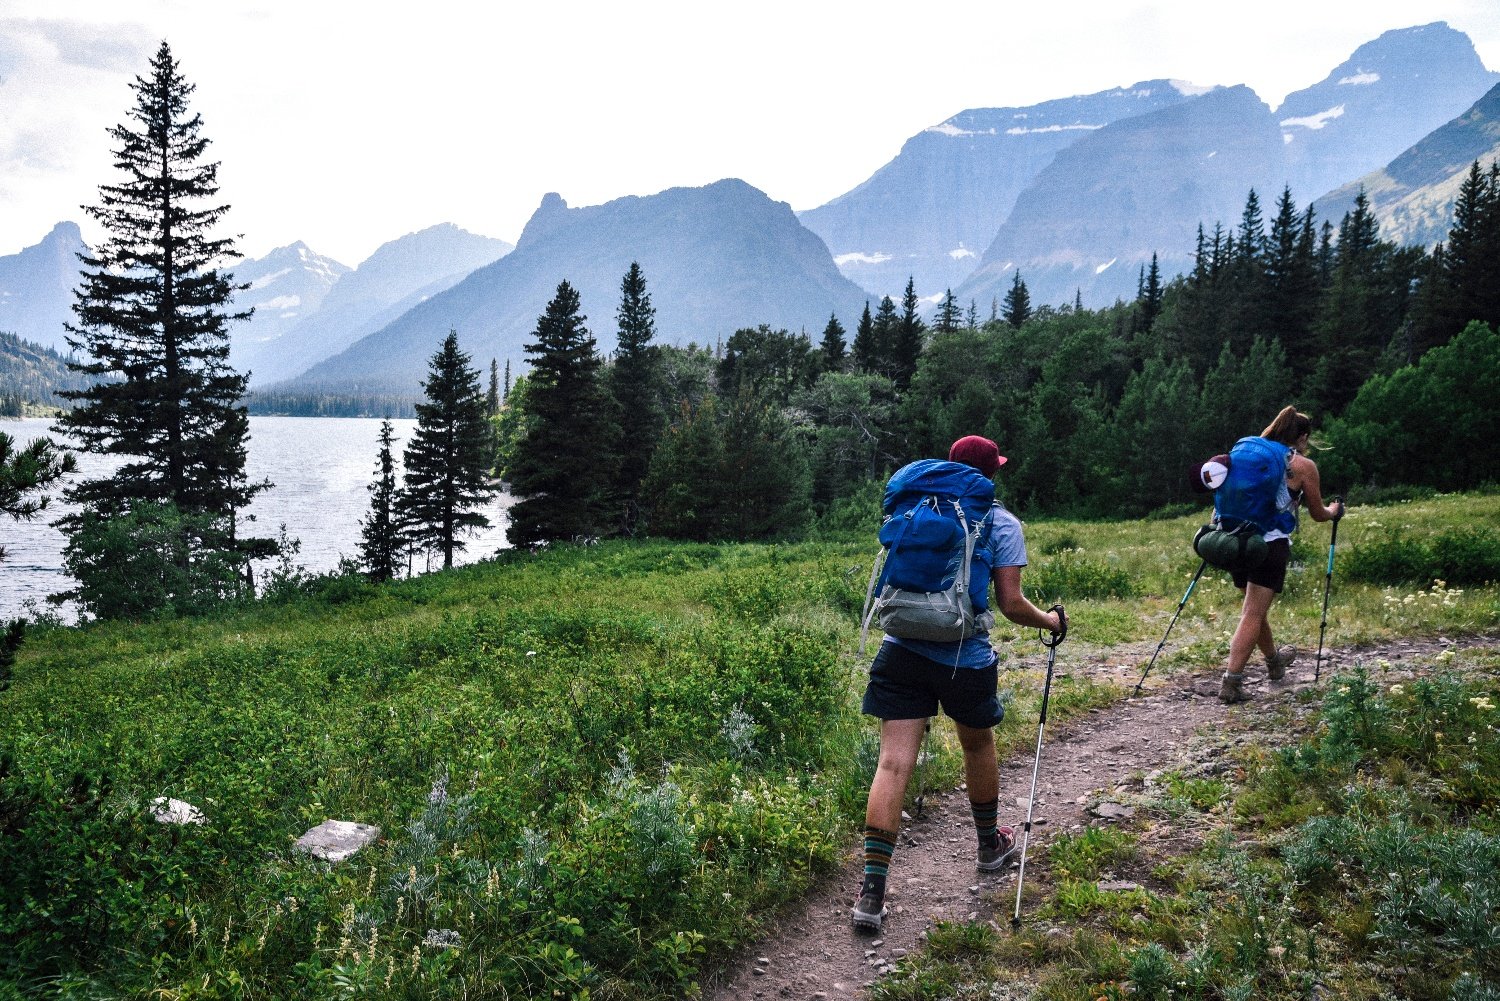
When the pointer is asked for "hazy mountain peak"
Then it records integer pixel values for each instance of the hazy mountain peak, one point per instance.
(716, 257)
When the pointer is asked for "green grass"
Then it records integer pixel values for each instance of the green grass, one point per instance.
(520, 728)
(1360, 859)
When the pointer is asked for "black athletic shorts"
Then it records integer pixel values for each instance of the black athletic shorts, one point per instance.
(906, 685)
(1271, 573)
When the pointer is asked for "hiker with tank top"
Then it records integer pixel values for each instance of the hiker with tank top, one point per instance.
(911, 678)
(1292, 431)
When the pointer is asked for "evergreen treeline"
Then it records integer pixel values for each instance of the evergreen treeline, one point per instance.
(33, 374)
(1100, 411)
(317, 403)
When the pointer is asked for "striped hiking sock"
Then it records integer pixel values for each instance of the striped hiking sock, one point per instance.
(880, 845)
(986, 822)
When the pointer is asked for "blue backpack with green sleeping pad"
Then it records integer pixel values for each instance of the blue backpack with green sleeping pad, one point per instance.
(1254, 491)
(933, 580)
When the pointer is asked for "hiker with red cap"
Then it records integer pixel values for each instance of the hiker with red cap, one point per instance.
(936, 652)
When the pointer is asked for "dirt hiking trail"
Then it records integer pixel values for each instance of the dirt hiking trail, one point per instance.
(814, 954)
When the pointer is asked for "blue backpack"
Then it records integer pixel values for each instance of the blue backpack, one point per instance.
(936, 515)
(1254, 491)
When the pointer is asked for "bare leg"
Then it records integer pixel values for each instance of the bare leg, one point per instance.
(981, 771)
(1254, 629)
(900, 741)
(1265, 643)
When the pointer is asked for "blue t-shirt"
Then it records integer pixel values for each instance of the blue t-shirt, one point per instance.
(1007, 548)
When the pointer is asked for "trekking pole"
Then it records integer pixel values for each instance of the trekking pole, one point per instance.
(1185, 595)
(1051, 645)
(922, 753)
(1327, 586)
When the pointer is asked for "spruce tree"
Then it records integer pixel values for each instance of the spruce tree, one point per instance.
(1149, 296)
(492, 398)
(684, 492)
(1017, 307)
(1291, 294)
(949, 317)
(1465, 280)
(884, 330)
(865, 352)
(152, 313)
(833, 346)
(634, 383)
(445, 480)
(906, 344)
(380, 532)
(564, 463)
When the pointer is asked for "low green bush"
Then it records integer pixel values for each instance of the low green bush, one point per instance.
(1462, 557)
(1072, 576)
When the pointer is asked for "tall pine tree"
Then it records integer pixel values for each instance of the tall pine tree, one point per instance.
(153, 312)
(866, 352)
(906, 344)
(833, 348)
(446, 464)
(380, 542)
(949, 317)
(564, 463)
(1017, 307)
(635, 383)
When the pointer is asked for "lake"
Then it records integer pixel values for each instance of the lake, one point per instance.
(321, 468)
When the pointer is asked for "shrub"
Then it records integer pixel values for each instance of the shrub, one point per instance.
(1070, 576)
(1086, 855)
(1152, 972)
(1460, 556)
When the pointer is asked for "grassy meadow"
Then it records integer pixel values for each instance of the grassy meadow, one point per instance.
(596, 770)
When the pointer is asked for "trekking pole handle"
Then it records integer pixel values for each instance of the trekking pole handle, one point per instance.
(1343, 508)
(1062, 632)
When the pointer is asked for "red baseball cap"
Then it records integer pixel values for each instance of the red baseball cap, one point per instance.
(981, 453)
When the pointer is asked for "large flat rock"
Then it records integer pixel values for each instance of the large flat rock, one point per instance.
(336, 840)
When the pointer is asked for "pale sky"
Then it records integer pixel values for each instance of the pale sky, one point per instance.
(347, 124)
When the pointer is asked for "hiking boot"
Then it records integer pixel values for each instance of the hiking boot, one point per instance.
(1232, 689)
(991, 859)
(868, 912)
(1276, 665)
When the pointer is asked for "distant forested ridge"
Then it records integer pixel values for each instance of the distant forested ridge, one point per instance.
(310, 403)
(32, 375)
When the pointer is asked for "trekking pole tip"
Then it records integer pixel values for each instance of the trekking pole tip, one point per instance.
(1015, 922)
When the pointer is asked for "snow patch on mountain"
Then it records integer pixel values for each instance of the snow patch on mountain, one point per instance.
(949, 129)
(1189, 89)
(1317, 121)
(281, 302)
(1105, 266)
(960, 252)
(861, 258)
(265, 280)
(1020, 131)
(1360, 79)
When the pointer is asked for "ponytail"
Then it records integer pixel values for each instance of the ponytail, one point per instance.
(1288, 426)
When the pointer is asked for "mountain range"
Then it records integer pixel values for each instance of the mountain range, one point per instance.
(397, 277)
(716, 258)
(36, 287)
(1092, 214)
(1412, 196)
(1075, 195)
